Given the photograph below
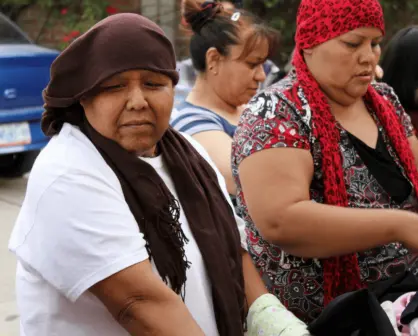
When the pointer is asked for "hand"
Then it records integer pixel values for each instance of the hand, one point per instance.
(378, 72)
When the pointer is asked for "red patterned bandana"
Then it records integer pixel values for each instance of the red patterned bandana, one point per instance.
(319, 21)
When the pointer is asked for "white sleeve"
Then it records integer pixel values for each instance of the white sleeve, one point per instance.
(221, 180)
(83, 232)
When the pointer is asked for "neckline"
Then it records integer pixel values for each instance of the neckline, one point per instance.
(156, 162)
(378, 141)
(211, 111)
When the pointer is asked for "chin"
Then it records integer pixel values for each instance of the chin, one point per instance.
(139, 145)
(359, 92)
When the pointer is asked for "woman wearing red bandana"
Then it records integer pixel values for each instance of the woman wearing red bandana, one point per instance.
(325, 205)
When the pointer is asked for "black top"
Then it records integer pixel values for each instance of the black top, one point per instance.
(384, 169)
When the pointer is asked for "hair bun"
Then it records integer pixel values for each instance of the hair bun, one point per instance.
(207, 12)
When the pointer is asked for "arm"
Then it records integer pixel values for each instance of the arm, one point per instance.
(109, 258)
(137, 299)
(264, 309)
(283, 212)
(266, 314)
(218, 145)
(254, 285)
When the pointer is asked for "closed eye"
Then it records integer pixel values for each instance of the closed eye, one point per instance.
(153, 85)
(113, 87)
(252, 65)
(352, 45)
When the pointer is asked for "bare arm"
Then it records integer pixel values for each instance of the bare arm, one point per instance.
(254, 285)
(283, 212)
(144, 305)
(218, 145)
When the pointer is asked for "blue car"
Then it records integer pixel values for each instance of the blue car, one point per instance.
(24, 73)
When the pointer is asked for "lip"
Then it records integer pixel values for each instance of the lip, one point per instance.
(365, 73)
(365, 78)
(137, 123)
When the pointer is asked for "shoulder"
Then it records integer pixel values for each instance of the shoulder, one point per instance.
(193, 119)
(70, 150)
(200, 150)
(280, 101)
(68, 159)
(388, 93)
(69, 179)
(384, 90)
(274, 118)
(204, 154)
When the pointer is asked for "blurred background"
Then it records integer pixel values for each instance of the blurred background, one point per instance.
(55, 23)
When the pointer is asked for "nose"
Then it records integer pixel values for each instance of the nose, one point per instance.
(368, 55)
(260, 74)
(136, 99)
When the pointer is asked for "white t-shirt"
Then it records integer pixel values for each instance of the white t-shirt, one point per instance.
(75, 229)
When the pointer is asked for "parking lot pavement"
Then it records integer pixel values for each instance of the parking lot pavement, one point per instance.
(11, 197)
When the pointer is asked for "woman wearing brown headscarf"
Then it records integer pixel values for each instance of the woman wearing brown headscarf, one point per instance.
(123, 216)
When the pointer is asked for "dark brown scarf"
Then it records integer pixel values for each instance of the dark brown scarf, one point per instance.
(209, 215)
(129, 41)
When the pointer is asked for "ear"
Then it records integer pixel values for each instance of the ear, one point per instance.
(213, 57)
(308, 51)
(84, 101)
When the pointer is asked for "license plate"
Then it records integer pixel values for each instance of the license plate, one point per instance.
(15, 134)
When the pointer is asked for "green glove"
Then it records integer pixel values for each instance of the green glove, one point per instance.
(268, 317)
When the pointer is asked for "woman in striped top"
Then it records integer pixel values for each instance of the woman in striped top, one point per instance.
(228, 49)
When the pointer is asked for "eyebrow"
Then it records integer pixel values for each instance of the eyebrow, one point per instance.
(113, 78)
(256, 57)
(365, 37)
(122, 77)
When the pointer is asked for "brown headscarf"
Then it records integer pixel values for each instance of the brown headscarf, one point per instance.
(128, 41)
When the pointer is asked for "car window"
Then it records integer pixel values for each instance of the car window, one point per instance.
(10, 34)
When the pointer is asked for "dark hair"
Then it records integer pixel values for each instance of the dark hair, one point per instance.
(54, 118)
(213, 27)
(400, 66)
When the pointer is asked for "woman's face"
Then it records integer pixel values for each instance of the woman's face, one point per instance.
(132, 108)
(345, 66)
(237, 79)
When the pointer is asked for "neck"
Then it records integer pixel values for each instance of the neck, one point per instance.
(345, 109)
(152, 152)
(204, 95)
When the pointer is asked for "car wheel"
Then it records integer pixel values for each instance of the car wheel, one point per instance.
(16, 165)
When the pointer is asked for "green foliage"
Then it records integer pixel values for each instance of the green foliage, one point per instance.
(281, 14)
(73, 16)
(78, 15)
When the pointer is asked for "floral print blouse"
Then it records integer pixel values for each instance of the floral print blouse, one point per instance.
(280, 117)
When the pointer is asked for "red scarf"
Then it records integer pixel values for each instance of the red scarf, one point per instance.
(319, 21)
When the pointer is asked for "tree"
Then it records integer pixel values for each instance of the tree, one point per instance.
(281, 14)
(74, 16)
